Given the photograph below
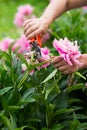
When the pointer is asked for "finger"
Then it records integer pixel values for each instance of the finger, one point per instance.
(66, 72)
(33, 34)
(60, 64)
(52, 57)
(30, 30)
(56, 60)
(28, 25)
(63, 68)
(26, 22)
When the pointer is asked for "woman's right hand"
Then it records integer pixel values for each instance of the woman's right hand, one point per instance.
(35, 26)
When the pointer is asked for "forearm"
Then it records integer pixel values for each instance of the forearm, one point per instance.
(54, 10)
(58, 7)
(76, 4)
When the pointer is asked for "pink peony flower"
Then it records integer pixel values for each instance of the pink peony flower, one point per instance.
(24, 68)
(23, 12)
(68, 50)
(19, 19)
(45, 56)
(45, 37)
(5, 43)
(25, 9)
(23, 44)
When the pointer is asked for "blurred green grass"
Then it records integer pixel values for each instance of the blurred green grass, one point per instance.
(8, 9)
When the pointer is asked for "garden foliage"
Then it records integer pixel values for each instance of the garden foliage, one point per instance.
(35, 95)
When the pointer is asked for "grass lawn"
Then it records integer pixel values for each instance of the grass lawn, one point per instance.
(8, 9)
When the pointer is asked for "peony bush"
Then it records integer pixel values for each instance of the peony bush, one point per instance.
(33, 94)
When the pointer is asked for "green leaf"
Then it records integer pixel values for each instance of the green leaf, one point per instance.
(75, 87)
(21, 128)
(22, 59)
(28, 93)
(13, 121)
(30, 100)
(82, 126)
(57, 127)
(51, 75)
(14, 107)
(44, 129)
(6, 122)
(74, 124)
(35, 65)
(77, 73)
(62, 111)
(81, 116)
(23, 79)
(28, 96)
(5, 90)
(7, 56)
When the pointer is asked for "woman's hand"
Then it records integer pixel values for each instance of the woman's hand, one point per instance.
(65, 68)
(35, 26)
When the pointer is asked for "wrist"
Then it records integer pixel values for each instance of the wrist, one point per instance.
(46, 19)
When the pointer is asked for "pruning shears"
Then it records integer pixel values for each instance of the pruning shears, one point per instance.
(37, 44)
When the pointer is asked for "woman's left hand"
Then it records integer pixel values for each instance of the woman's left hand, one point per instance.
(63, 66)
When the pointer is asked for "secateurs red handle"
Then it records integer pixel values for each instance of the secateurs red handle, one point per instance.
(37, 43)
(37, 39)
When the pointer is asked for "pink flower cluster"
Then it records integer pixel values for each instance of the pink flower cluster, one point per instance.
(45, 56)
(23, 12)
(5, 43)
(46, 37)
(22, 44)
(68, 50)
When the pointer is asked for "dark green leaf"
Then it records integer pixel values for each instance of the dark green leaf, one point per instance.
(5, 90)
